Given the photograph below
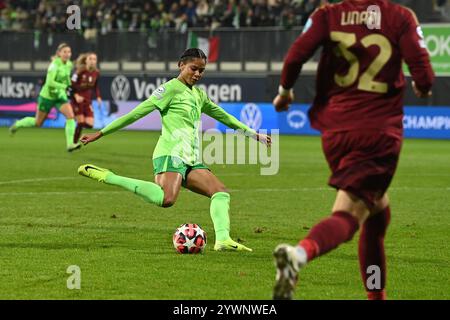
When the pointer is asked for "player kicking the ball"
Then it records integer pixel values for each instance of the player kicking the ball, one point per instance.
(359, 111)
(176, 156)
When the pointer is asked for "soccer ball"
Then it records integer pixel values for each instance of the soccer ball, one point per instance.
(189, 238)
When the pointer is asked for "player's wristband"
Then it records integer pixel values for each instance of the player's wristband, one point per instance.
(284, 92)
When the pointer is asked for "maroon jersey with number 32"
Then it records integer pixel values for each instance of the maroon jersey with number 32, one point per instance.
(360, 83)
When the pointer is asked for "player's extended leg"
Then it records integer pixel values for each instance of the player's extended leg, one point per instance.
(88, 122)
(85, 119)
(204, 182)
(348, 213)
(67, 111)
(79, 118)
(40, 118)
(372, 260)
(29, 122)
(162, 194)
(170, 182)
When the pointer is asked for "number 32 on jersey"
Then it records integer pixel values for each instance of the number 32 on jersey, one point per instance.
(366, 81)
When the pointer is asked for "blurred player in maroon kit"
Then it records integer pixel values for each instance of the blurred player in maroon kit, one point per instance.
(359, 111)
(84, 81)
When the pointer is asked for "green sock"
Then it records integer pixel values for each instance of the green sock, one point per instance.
(149, 191)
(26, 122)
(220, 206)
(70, 131)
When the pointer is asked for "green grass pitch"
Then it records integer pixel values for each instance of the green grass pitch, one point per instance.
(51, 218)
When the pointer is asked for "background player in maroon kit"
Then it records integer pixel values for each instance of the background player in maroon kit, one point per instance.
(84, 81)
(359, 110)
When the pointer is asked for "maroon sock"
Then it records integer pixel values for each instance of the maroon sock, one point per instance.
(77, 134)
(371, 253)
(329, 233)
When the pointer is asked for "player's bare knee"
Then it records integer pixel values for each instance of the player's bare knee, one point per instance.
(217, 189)
(69, 116)
(223, 189)
(360, 214)
(168, 201)
(380, 204)
(168, 204)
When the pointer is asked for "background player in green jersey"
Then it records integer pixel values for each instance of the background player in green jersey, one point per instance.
(176, 158)
(53, 94)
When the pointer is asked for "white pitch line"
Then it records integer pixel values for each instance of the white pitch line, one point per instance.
(238, 174)
(218, 174)
(331, 189)
(306, 189)
(51, 193)
(36, 180)
(282, 189)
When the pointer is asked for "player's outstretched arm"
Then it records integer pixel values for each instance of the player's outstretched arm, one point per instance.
(88, 138)
(216, 112)
(137, 113)
(264, 139)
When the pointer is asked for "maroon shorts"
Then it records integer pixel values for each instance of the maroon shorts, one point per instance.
(362, 163)
(82, 109)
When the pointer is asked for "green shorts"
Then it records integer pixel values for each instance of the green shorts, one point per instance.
(174, 164)
(46, 105)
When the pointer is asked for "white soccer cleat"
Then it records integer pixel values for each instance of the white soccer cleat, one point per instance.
(74, 146)
(288, 261)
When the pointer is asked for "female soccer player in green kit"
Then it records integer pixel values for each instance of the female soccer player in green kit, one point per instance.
(176, 158)
(53, 94)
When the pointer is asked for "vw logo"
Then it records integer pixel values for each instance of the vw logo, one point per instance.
(251, 116)
(120, 88)
(296, 119)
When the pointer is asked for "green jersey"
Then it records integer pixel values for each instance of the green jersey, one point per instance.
(57, 80)
(180, 108)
